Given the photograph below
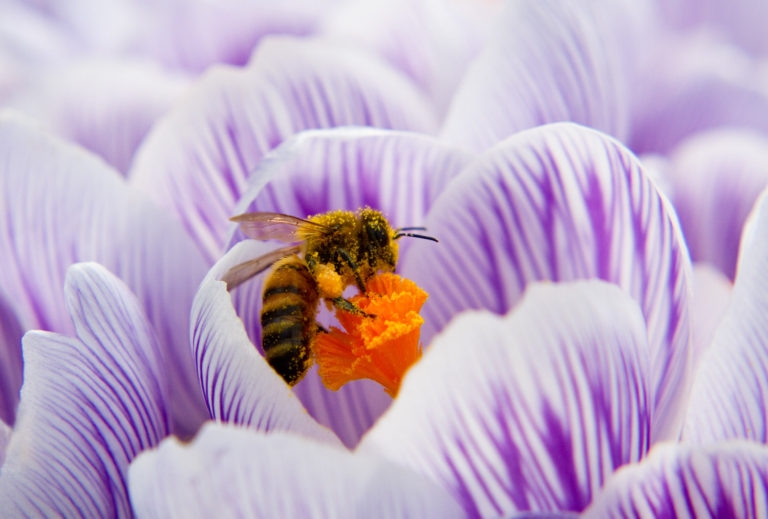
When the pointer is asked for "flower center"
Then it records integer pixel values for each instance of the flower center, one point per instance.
(380, 348)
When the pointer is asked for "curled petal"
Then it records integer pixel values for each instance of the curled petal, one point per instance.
(731, 384)
(88, 406)
(63, 205)
(559, 203)
(197, 159)
(720, 480)
(231, 472)
(531, 411)
(238, 384)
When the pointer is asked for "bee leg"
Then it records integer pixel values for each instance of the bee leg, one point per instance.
(321, 328)
(349, 306)
(346, 257)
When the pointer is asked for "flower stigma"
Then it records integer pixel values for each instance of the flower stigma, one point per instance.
(381, 345)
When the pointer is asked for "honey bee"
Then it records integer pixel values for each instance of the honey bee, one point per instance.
(330, 252)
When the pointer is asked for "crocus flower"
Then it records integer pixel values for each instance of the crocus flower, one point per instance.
(532, 411)
(500, 431)
(557, 203)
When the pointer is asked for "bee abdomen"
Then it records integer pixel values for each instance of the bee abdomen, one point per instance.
(288, 318)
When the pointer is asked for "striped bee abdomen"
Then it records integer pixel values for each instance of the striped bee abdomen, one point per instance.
(288, 325)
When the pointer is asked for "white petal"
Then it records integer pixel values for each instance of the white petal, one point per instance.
(231, 472)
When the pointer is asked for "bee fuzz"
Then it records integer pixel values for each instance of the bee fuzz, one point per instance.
(380, 348)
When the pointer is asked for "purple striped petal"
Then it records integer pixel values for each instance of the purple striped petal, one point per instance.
(62, 205)
(692, 85)
(730, 390)
(238, 384)
(431, 41)
(548, 61)
(531, 411)
(717, 177)
(398, 172)
(720, 480)
(10, 361)
(197, 160)
(88, 406)
(230, 472)
(561, 202)
(124, 100)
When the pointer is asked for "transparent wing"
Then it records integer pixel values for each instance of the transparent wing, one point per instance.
(245, 271)
(275, 226)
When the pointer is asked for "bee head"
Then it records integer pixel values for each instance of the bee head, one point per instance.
(381, 247)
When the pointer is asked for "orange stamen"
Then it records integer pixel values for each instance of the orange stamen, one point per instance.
(381, 348)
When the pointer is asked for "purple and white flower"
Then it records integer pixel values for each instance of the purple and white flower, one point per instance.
(569, 367)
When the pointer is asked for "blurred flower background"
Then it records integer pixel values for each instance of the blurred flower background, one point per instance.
(594, 337)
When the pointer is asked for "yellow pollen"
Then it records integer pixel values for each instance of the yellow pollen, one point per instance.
(380, 348)
(329, 282)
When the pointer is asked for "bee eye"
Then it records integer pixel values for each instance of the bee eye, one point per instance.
(376, 234)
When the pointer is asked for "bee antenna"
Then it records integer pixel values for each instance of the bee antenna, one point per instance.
(410, 229)
(412, 235)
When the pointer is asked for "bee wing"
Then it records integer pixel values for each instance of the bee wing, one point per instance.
(275, 226)
(245, 271)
